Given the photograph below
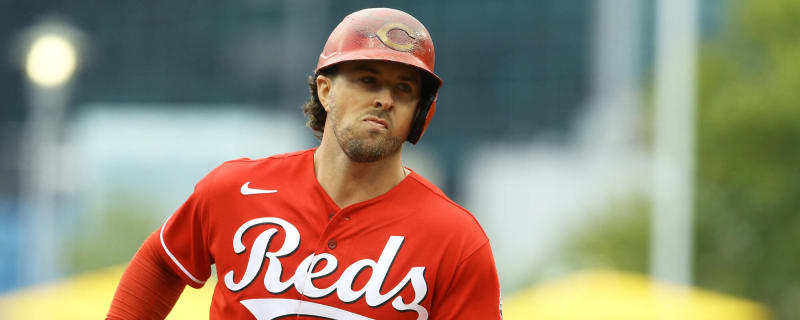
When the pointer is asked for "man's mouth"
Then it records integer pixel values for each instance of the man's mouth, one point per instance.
(377, 122)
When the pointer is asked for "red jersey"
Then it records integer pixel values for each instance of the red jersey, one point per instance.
(283, 249)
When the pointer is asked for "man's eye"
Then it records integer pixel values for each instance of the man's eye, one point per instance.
(404, 87)
(368, 80)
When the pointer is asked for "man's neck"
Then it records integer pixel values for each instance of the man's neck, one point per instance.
(348, 182)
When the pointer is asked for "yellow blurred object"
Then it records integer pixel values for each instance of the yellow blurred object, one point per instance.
(88, 296)
(614, 295)
(594, 295)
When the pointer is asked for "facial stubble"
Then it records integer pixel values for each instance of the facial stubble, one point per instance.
(363, 146)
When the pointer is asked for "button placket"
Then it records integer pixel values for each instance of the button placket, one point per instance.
(332, 243)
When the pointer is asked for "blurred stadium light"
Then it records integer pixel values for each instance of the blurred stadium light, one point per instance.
(52, 50)
(51, 61)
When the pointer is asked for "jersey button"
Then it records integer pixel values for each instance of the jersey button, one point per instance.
(331, 244)
(330, 215)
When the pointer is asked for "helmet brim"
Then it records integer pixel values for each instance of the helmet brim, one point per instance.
(377, 54)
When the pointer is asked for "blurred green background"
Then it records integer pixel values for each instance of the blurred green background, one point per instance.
(747, 209)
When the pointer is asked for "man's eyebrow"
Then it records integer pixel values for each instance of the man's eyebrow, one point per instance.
(409, 78)
(366, 68)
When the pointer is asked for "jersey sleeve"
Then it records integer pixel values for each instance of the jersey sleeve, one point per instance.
(183, 236)
(148, 288)
(474, 291)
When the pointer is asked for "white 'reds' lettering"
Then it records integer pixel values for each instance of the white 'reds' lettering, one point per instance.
(303, 278)
(304, 274)
(259, 251)
(379, 271)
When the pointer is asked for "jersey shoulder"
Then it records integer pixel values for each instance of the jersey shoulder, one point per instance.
(442, 209)
(273, 160)
(277, 170)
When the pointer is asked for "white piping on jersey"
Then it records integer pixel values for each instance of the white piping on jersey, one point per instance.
(173, 257)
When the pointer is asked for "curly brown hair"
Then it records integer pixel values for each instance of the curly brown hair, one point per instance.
(313, 109)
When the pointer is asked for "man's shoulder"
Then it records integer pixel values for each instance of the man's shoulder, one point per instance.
(271, 160)
(440, 207)
(432, 195)
(278, 160)
(452, 225)
(276, 167)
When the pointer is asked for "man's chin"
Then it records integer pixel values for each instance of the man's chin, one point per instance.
(369, 149)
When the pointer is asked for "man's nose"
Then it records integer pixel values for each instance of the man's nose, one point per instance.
(383, 98)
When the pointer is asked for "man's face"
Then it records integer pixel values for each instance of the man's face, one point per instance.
(370, 106)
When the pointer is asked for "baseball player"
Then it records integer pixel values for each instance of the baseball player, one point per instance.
(341, 231)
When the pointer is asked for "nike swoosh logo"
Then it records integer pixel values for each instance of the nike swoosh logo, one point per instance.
(246, 190)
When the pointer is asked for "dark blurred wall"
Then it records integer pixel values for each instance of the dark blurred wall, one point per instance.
(522, 60)
(511, 69)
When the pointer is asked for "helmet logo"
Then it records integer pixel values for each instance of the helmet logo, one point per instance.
(383, 35)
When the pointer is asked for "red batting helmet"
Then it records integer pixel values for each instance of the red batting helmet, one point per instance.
(388, 35)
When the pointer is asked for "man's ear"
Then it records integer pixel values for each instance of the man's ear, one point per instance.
(324, 91)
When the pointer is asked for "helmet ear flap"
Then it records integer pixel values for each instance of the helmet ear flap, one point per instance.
(422, 117)
(426, 107)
